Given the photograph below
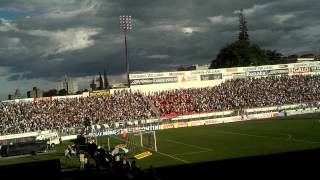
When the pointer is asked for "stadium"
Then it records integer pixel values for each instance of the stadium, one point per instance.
(175, 119)
(252, 113)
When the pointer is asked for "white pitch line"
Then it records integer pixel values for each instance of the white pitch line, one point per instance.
(164, 154)
(269, 137)
(171, 156)
(190, 145)
(289, 136)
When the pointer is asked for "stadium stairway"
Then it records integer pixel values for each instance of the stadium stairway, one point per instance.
(153, 107)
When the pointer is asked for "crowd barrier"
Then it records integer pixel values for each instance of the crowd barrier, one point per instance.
(192, 123)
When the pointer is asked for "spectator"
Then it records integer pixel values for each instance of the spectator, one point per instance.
(123, 106)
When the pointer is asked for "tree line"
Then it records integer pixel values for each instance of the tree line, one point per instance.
(242, 52)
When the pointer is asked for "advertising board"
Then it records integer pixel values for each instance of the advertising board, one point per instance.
(188, 78)
(257, 73)
(298, 70)
(153, 81)
(238, 75)
(278, 72)
(99, 93)
(208, 77)
(315, 69)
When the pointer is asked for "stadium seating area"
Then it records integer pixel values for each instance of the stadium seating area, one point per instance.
(70, 113)
(126, 105)
(238, 94)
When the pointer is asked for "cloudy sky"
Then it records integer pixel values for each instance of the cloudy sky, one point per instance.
(43, 40)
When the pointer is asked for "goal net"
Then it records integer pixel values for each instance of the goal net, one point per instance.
(142, 141)
(135, 142)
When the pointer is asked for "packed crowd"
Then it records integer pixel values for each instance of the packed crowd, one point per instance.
(238, 94)
(71, 113)
(126, 105)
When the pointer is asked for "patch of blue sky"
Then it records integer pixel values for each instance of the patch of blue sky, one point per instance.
(12, 15)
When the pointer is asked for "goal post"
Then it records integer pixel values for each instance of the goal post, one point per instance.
(141, 141)
(135, 142)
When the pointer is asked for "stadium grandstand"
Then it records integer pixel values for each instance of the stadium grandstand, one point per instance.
(220, 91)
(128, 107)
(167, 100)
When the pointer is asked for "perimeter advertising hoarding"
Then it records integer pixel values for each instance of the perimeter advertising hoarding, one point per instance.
(153, 81)
(99, 93)
(208, 77)
(39, 99)
(165, 80)
(257, 68)
(257, 73)
(315, 69)
(298, 70)
(238, 75)
(167, 126)
(141, 81)
(262, 116)
(128, 130)
(146, 76)
(188, 79)
(279, 72)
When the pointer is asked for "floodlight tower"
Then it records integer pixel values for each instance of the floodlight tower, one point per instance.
(126, 26)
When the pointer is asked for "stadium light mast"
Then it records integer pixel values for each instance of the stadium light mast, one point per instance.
(126, 26)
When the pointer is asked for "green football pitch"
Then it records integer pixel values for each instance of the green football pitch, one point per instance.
(216, 142)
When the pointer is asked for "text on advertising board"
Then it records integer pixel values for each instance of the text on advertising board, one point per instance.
(141, 81)
(257, 73)
(279, 72)
(207, 77)
(153, 81)
(144, 76)
(188, 78)
(301, 69)
(165, 80)
(203, 72)
(238, 75)
(257, 68)
(315, 68)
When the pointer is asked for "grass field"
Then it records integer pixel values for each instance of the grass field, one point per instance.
(217, 142)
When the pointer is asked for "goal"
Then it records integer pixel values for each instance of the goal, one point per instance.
(136, 142)
(142, 141)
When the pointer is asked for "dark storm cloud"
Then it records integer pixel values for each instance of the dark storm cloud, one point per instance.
(81, 38)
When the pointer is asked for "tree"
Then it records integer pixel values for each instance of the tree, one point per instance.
(63, 92)
(293, 56)
(239, 53)
(244, 53)
(79, 92)
(273, 57)
(243, 34)
(50, 93)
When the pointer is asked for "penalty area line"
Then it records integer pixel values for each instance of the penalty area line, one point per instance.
(163, 154)
(172, 157)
